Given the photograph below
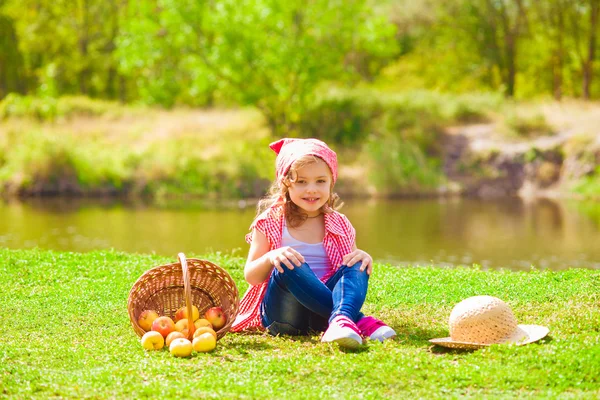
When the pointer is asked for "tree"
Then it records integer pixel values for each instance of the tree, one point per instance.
(67, 44)
(584, 23)
(551, 31)
(266, 53)
(503, 22)
(11, 59)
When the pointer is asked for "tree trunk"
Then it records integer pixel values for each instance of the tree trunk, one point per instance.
(11, 60)
(588, 65)
(558, 54)
(511, 64)
(84, 73)
(122, 89)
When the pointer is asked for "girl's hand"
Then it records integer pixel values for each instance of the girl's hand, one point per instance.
(285, 255)
(358, 255)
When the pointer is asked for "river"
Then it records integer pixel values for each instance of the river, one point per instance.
(509, 233)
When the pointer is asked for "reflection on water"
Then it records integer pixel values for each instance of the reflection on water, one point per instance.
(494, 234)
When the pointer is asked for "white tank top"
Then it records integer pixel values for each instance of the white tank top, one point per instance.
(314, 253)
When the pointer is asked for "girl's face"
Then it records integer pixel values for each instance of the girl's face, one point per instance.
(311, 187)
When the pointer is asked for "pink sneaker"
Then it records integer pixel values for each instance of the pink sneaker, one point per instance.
(344, 332)
(375, 329)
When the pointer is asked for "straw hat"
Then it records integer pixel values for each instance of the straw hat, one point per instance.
(480, 321)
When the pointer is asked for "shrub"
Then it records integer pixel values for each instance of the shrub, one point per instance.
(41, 109)
(43, 162)
(396, 165)
(472, 108)
(589, 185)
(50, 109)
(342, 118)
(526, 125)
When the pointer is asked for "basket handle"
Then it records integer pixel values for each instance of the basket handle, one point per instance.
(187, 291)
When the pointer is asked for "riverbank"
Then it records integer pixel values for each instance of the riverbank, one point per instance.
(65, 332)
(389, 145)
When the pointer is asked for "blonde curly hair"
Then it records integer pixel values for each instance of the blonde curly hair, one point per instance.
(278, 194)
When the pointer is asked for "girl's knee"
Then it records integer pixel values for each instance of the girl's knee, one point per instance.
(297, 271)
(356, 268)
(355, 271)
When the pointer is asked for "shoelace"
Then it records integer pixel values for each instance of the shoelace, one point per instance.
(347, 323)
(368, 325)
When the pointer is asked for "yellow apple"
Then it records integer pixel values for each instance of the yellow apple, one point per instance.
(164, 325)
(182, 325)
(216, 317)
(202, 322)
(181, 347)
(205, 329)
(152, 341)
(146, 319)
(204, 343)
(182, 313)
(174, 335)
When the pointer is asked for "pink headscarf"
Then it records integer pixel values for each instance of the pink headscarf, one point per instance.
(289, 150)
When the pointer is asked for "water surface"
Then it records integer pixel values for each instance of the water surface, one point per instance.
(506, 233)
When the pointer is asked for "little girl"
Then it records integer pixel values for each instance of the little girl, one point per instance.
(305, 271)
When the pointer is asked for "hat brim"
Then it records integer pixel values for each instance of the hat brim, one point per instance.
(524, 334)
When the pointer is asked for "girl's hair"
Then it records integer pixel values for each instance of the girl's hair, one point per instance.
(279, 194)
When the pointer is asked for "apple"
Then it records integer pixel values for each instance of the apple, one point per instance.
(174, 335)
(152, 341)
(163, 325)
(216, 317)
(146, 319)
(204, 343)
(182, 313)
(181, 347)
(182, 326)
(202, 322)
(205, 329)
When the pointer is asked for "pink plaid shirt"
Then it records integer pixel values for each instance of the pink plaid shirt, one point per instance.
(339, 240)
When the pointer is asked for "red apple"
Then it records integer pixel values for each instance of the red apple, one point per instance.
(163, 325)
(146, 319)
(216, 317)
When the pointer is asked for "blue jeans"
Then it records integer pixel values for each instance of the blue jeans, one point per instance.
(297, 302)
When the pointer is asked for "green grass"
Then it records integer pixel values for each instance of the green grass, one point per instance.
(65, 333)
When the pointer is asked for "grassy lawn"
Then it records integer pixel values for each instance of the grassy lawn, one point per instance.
(65, 332)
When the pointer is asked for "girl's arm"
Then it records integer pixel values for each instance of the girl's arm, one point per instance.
(261, 261)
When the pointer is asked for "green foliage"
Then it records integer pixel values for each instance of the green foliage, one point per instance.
(67, 46)
(522, 49)
(98, 354)
(267, 53)
(273, 54)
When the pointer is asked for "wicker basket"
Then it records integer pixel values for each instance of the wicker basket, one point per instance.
(166, 288)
